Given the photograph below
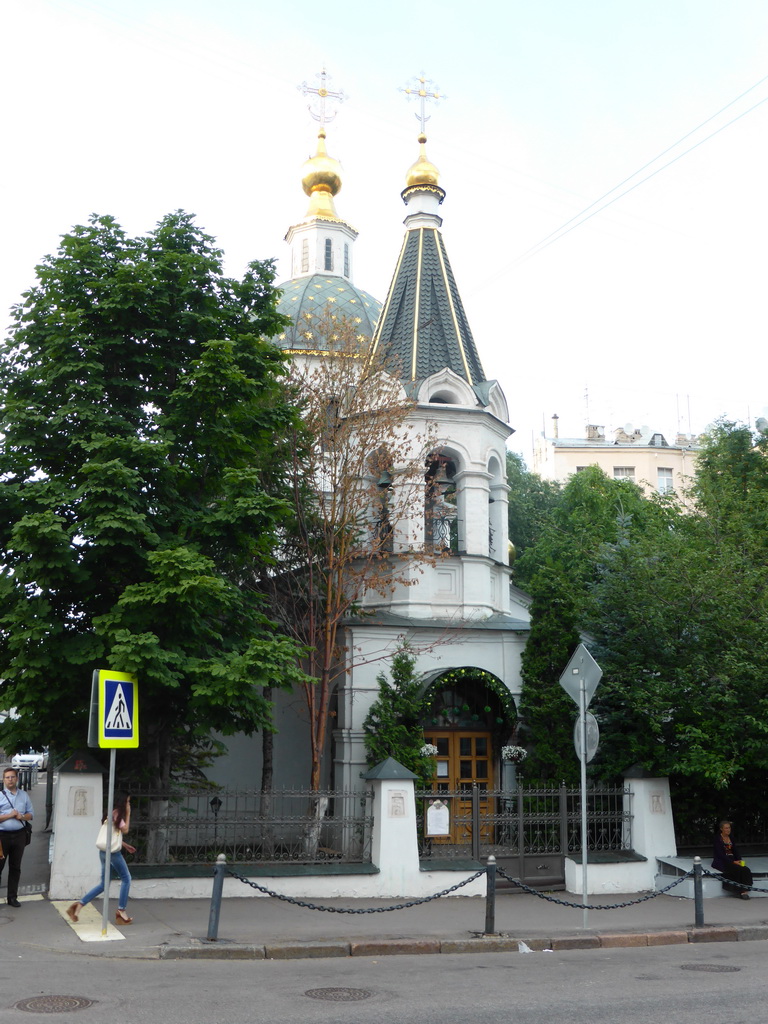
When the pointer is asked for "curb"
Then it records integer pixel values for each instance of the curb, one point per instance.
(223, 950)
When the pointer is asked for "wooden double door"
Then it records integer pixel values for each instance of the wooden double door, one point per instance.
(463, 760)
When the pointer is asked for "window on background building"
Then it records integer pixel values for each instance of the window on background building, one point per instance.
(624, 473)
(664, 482)
(328, 254)
(305, 256)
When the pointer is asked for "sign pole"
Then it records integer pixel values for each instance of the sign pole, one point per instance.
(583, 759)
(580, 679)
(108, 851)
(113, 723)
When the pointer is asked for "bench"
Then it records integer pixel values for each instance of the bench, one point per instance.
(671, 867)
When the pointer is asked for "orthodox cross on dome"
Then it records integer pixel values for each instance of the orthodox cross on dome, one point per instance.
(318, 106)
(422, 89)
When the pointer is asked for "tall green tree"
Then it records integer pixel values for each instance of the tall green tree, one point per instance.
(672, 596)
(560, 570)
(680, 620)
(531, 502)
(592, 510)
(680, 631)
(393, 725)
(546, 710)
(730, 487)
(139, 412)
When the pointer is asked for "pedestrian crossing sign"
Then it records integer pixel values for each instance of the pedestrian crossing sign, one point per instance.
(118, 709)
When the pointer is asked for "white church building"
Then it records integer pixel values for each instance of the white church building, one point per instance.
(464, 621)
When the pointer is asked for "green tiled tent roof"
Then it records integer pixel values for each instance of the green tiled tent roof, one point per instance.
(423, 328)
(305, 298)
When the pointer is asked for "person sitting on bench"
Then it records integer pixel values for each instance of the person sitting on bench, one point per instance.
(728, 861)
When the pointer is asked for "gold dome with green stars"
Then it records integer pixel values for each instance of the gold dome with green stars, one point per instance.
(313, 302)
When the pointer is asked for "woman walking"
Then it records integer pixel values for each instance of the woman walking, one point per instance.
(121, 820)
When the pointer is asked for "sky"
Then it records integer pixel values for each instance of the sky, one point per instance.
(647, 311)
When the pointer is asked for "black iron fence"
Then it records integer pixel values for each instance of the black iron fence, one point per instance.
(296, 826)
(533, 819)
(27, 778)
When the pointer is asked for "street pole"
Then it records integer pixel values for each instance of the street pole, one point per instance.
(583, 760)
(583, 667)
(490, 896)
(218, 888)
(698, 894)
(108, 851)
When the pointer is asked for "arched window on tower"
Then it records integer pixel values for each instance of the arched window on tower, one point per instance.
(305, 255)
(328, 254)
(441, 531)
(382, 528)
(346, 259)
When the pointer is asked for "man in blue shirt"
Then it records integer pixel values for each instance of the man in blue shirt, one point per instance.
(15, 809)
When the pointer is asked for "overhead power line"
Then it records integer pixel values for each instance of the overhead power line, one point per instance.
(584, 215)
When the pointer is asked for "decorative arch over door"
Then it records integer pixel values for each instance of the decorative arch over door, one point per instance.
(469, 714)
(465, 698)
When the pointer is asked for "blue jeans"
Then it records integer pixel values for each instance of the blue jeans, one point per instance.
(121, 868)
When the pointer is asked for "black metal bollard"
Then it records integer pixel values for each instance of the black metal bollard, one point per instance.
(218, 887)
(698, 894)
(490, 896)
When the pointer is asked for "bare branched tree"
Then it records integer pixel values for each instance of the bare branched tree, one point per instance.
(362, 483)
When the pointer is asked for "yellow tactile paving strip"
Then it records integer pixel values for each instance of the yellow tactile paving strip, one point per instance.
(88, 928)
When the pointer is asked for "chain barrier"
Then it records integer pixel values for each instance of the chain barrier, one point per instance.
(730, 881)
(593, 906)
(346, 910)
(221, 868)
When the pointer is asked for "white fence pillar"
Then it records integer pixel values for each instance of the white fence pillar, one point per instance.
(653, 835)
(653, 828)
(77, 812)
(394, 843)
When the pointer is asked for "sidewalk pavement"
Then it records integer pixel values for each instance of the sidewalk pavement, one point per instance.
(258, 927)
(266, 928)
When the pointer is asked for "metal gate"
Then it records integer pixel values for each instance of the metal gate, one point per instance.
(530, 830)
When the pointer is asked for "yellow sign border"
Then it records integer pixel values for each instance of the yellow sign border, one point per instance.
(109, 743)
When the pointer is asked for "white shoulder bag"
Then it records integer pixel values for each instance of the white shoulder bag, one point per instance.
(101, 838)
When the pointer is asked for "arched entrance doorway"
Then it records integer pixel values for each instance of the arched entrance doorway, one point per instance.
(470, 715)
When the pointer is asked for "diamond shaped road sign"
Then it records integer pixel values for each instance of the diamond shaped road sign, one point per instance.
(581, 666)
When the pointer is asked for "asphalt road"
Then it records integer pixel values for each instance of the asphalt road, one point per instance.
(621, 986)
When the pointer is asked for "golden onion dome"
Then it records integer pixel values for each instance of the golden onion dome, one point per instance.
(423, 172)
(321, 172)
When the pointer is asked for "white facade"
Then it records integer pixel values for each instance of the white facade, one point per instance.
(640, 455)
(455, 607)
(457, 612)
(321, 246)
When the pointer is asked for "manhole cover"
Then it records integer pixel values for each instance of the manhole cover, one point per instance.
(54, 1004)
(712, 968)
(339, 995)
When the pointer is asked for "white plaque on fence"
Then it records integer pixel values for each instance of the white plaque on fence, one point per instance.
(438, 819)
(397, 804)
